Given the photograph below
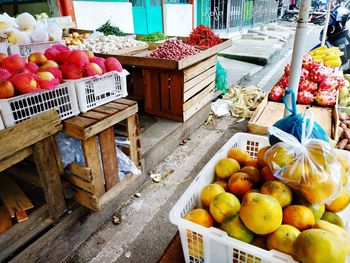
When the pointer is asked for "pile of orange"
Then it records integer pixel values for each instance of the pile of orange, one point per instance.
(251, 205)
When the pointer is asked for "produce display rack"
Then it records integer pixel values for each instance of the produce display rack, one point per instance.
(30, 138)
(97, 182)
(26, 49)
(269, 112)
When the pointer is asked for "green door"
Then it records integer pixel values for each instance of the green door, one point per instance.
(147, 16)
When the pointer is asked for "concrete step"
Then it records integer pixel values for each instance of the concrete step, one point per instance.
(254, 36)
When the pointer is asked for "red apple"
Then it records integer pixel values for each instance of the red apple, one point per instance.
(99, 61)
(45, 75)
(93, 69)
(24, 83)
(6, 89)
(47, 80)
(37, 58)
(112, 63)
(71, 71)
(4, 74)
(32, 67)
(13, 63)
(78, 58)
(49, 64)
(2, 56)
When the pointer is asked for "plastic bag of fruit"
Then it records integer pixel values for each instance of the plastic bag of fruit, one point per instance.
(310, 166)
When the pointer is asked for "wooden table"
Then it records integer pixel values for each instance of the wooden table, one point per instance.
(95, 129)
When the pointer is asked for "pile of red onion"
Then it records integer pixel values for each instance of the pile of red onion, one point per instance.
(173, 49)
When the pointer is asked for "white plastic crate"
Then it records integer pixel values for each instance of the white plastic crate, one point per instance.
(20, 108)
(95, 91)
(26, 50)
(204, 245)
(2, 126)
(4, 47)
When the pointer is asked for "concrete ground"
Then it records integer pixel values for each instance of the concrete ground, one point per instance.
(145, 230)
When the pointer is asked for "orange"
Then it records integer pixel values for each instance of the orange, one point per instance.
(253, 173)
(226, 167)
(278, 190)
(239, 155)
(340, 202)
(239, 184)
(209, 192)
(283, 239)
(200, 217)
(223, 205)
(222, 183)
(343, 162)
(279, 156)
(266, 174)
(262, 214)
(235, 228)
(253, 163)
(260, 156)
(298, 216)
(344, 176)
(318, 192)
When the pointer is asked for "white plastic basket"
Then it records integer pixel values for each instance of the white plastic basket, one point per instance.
(95, 91)
(20, 108)
(2, 126)
(204, 245)
(26, 50)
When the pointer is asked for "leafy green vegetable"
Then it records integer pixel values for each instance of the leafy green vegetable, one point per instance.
(153, 37)
(108, 29)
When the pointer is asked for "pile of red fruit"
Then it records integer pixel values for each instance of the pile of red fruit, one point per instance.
(45, 71)
(318, 83)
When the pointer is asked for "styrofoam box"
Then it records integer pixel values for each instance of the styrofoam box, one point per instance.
(19, 108)
(26, 50)
(4, 47)
(204, 245)
(97, 90)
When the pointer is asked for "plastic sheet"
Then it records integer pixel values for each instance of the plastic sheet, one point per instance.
(221, 78)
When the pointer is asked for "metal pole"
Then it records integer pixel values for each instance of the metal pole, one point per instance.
(298, 49)
(228, 17)
(325, 28)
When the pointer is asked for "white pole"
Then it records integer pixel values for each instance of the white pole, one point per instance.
(325, 28)
(298, 49)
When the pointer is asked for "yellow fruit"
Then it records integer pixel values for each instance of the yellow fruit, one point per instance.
(343, 162)
(344, 176)
(333, 63)
(253, 163)
(339, 232)
(223, 205)
(279, 156)
(239, 184)
(298, 216)
(209, 192)
(234, 227)
(262, 214)
(318, 192)
(317, 209)
(333, 218)
(340, 202)
(226, 167)
(253, 174)
(319, 246)
(200, 217)
(222, 183)
(239, 155)
(260, 156)
(283, 239)
(278, 190)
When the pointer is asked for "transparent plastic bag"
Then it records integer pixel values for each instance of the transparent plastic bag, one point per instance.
(221, 78)
(310, 166)
(125, 165)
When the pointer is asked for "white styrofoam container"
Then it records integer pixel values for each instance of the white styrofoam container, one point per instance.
(97, 90)
(19, 108)
(204, 245)
(26, 50)
(4, 47)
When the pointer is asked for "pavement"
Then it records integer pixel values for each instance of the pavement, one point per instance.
(145, 230)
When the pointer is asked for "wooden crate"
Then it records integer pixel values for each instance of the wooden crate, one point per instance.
(96, 185)
(33, 137)
(270, 112)
(179, 94)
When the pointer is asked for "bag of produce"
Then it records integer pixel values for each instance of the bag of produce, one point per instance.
(292, 123)
(308, 165)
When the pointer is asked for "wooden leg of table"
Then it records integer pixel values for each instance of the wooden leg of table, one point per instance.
(132, 136)
(57, 155)
(109, 157)
(92, 160)
(48, 171)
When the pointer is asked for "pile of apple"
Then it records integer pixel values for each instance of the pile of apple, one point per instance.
(45, 71)
(318, 84)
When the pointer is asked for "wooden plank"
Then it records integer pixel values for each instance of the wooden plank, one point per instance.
(19, 234)
(117, 106)
(109, 157)
(57, 155)
(28, 132)
(199, 78)
(155, 89)
(86, 199)
(75, 126)
(164, 92)
(132, 137)
(199, 105)
(5, 220)
(48, 171)
(21, 215)
(24, 174)
(205, 92)
(80, 171)
(92, 160)
(176, 93)
(323, 116)
(194, 90)
(12, 196)
(15, 158)
(125, 101)
(106, 109)
(148, 93)
(94, 115)
(194, 70)
(127, 50)
(77, 181)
